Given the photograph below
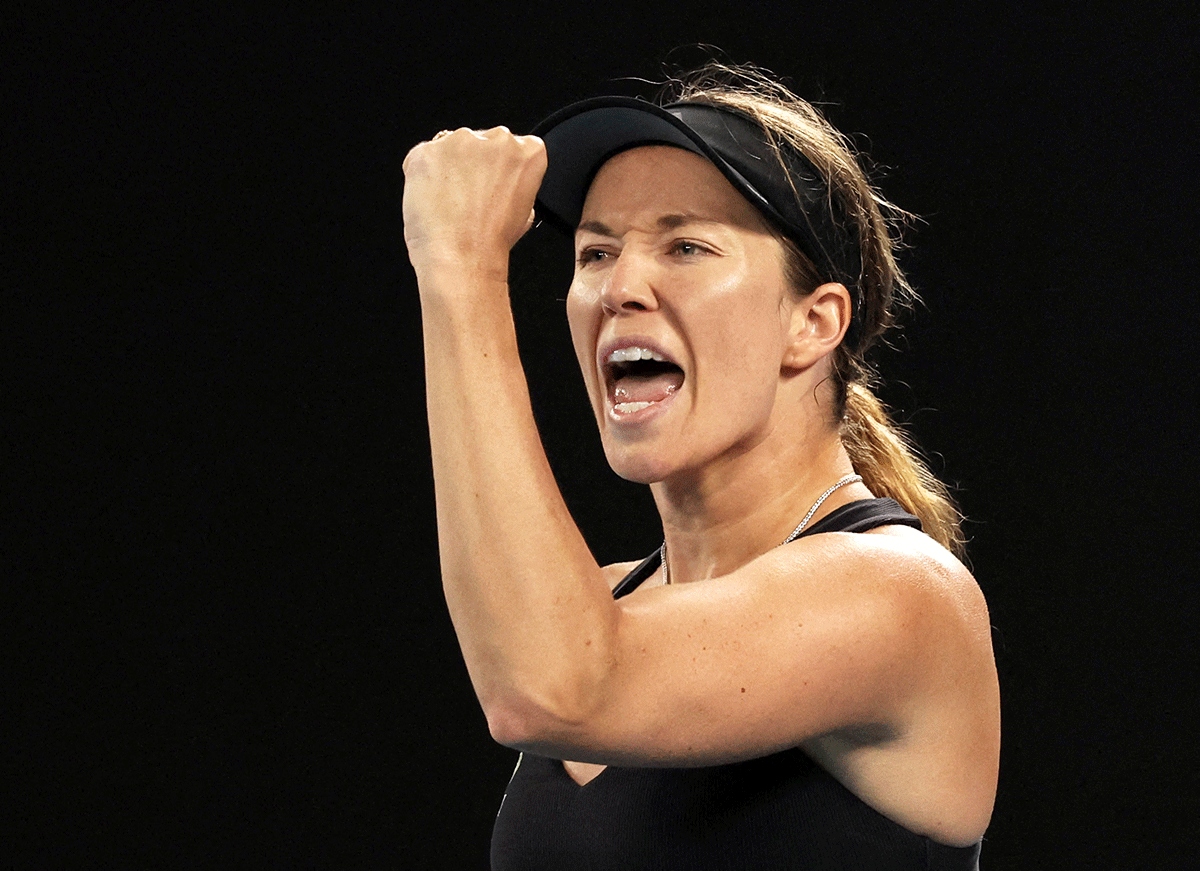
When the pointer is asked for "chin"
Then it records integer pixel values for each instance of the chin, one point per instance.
(636, 466)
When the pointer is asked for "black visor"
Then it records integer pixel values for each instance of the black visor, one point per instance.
(581, 137)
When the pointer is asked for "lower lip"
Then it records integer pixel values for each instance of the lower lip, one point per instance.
(641, 415)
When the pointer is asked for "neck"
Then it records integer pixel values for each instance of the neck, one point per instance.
(717, 521)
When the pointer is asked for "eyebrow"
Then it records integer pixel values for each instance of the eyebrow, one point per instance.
(666, 222)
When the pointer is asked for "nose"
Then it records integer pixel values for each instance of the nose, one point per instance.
(629, 285)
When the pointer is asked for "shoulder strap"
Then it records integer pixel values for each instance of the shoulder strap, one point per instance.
(860, 516)
(641, 571)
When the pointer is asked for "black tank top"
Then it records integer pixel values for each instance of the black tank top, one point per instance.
(781, 811)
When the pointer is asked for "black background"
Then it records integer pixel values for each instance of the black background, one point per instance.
(231, 645)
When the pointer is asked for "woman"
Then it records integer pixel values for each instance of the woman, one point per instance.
(730, 702)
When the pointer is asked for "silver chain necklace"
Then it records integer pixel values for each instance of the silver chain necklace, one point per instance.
(849, 479)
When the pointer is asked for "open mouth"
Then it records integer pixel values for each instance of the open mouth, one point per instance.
(638, 378)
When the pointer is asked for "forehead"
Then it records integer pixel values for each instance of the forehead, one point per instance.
(655, 180)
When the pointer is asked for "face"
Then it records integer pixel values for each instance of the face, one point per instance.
(680, 314)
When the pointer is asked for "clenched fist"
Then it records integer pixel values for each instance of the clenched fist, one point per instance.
(468, 197)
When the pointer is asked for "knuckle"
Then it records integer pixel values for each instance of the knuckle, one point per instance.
(414, 156)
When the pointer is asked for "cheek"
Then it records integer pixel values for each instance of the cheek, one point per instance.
(745, 324)
(583, 322)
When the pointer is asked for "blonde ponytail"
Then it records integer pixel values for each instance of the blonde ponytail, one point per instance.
(890, 466)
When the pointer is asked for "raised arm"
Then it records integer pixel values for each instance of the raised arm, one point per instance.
(529, 603)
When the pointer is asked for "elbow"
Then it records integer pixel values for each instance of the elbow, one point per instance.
(527, 723)
(555, 703)
(508, 726)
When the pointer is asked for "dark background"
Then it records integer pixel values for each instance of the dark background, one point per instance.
(231, 649)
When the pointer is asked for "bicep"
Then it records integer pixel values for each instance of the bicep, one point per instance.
(806, 640)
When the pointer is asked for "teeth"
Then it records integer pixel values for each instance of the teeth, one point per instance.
(620, 392)
(630, 407)
(632, 354)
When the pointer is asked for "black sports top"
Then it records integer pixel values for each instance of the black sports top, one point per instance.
(781, 811)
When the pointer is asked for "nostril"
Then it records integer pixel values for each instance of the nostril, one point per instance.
(615, 305)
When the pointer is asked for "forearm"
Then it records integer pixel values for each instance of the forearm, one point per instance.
(532, 612)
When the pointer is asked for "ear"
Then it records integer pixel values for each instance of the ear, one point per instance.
(819, 321)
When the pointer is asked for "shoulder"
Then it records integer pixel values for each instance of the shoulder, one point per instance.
(893, 591)
(895, 562)
(928, 574)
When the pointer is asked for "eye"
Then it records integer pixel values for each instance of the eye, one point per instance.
(688, 248)
(588, 256)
